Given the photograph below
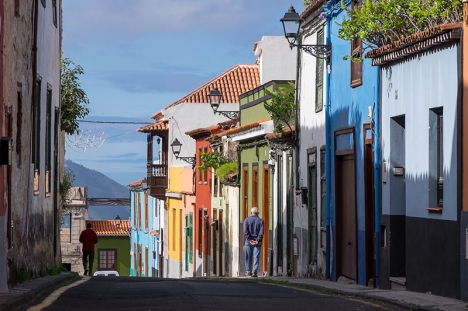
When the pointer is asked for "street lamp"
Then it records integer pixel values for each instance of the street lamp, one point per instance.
(117, 221)
(215, 99)
(292, 25)
(176, 146)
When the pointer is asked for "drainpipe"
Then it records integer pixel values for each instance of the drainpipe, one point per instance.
(328, 146)
(297, 114)
(377, 173)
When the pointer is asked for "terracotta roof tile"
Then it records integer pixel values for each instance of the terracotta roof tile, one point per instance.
(108, 228)
(286, 133)
(414, 43)
(162, 125)
(136, 183)
(231, 83)
(245, 127)
(225, 125)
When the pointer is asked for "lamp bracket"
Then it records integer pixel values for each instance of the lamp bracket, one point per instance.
(189, 160)
(229, 114)
(322, 51)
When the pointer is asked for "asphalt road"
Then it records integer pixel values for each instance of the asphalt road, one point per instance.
(130, 293)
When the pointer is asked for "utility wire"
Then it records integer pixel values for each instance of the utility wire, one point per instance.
(114, 122)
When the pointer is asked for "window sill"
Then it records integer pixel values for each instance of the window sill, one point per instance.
(435, 209)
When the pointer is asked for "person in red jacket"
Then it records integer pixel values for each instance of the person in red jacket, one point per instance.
(88, 237)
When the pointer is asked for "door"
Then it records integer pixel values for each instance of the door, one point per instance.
(265, 216)
(345, 193)
(312, 204)
(346, 217)
(369, 202)
(214, 234)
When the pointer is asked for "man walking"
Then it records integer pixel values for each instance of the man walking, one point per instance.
(253, 234)
(88, 237)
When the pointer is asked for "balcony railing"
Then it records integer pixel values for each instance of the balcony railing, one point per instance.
(157, 180)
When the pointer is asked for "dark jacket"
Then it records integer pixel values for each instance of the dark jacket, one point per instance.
(253, 229)
(88, 237)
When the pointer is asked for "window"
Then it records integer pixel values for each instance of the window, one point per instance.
(135, 202)
(323, 197)
(107, 259)
(205, 172)
(319, 76)
(190, 235)
(19, 118)
(139, 211)
(173, 229)
(436, 158)
(54, 12)
(356, 52)
(245, 190)
(200, 172)
(48, 142)
(146, 212)
(37, 136)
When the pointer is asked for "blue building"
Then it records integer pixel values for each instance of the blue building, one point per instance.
(422, 224)
(352, 99)
(144, 232)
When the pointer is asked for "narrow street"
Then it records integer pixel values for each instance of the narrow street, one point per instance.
(127, 293)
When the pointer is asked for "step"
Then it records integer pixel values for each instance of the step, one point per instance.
(398, 283)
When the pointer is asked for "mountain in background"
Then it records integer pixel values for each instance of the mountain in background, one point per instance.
(99, 186)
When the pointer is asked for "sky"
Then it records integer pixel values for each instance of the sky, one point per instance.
(140, 56)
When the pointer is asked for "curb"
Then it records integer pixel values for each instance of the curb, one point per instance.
(24, 298)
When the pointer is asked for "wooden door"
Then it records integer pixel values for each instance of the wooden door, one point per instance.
(346, 217)
(265, 216)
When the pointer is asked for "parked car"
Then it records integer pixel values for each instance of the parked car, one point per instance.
(106, 273)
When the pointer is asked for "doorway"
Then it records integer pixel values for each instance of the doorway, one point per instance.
(345, 193)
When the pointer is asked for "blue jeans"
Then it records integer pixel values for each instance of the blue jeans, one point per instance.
(249, 251)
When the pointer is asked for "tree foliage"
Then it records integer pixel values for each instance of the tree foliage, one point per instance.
(73, 97)
(380, 22)
(211, 160)
(281, 106)
(65, 186)
(225, 170)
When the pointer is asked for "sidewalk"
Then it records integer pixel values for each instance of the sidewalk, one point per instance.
(404, 298)
(25, 292)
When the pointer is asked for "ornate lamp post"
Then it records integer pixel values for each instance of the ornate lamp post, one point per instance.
(292, 25)
(215, 99)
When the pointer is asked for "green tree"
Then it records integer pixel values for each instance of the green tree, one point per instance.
(281, 106)
(73, 98)
(380, 22)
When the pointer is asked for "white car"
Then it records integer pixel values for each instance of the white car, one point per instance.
(106, 273)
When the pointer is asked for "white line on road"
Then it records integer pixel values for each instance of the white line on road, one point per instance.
(55, 295)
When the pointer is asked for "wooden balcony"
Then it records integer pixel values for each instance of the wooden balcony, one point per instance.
(157, 180)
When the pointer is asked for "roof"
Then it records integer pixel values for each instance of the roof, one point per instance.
(314, 4)
(136, 183)
(108, 228)
(162, 125)
(415, 43)
(206, 131)
(231, 83)
(245, 127)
